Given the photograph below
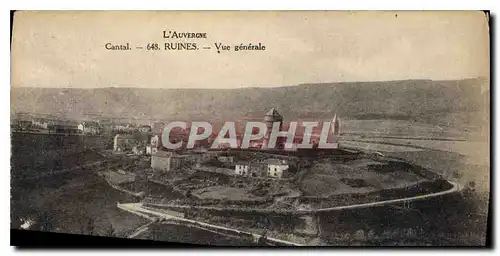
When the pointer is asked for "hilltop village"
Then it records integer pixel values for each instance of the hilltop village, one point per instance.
(272, 162)
(261, 187)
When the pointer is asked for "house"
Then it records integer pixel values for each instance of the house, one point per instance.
(144, 128)
(153, 146)
(155, 141)
(276, 168)
(157, 128)
(139, 150)
(22, 125)
(273, 168)
(124, 142)
(124, 128)
(165, 161)
(60, 126)
(291, 146)
(242, 169)
(250, 169)
(90, 128)
(226, 159)
(40, 123)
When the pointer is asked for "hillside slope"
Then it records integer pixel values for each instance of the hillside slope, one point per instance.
(408, 99)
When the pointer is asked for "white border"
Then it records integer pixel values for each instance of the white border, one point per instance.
(254, 5)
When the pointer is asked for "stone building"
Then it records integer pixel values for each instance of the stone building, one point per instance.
(165, 161)
(144, 128)
(273, 168)
(276, 168)
(124, 142)
(250, 169)
(270, 118)
(226, 159)
(63, 126)
(90, 128)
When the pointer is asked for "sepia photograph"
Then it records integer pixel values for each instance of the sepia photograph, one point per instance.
(251, 128)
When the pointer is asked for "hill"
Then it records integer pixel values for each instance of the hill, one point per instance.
(407, 99)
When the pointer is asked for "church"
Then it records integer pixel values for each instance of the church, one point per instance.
(271, 133)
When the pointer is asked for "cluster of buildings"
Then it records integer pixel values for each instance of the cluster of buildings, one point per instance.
(55, 125)
(313, 136)
(267, 168)
(131, 128)
(47, 126)
(137, 143)
(51, 124)
(90, 127)
(166, 160)
(274, 168)
(146, 140)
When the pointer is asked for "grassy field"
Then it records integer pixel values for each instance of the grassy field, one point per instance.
(460, 160)
(328, 177)
(366, 146)
(71, 202)
(458, 150)
(222, 192)
(404, 128)
(475, 149)
(460, 153)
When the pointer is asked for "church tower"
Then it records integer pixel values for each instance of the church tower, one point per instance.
(270, 118)
(335, 130)
(335, 126)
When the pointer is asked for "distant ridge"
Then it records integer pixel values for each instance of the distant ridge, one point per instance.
(405, 99)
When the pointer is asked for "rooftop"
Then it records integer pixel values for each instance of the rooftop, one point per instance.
(275, 161)
(250, 163)
(274, 113)
(91, 123)
(264, 162)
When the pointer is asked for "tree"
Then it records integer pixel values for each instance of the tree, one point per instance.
(110, 231)
(155, 233)
(263, 238)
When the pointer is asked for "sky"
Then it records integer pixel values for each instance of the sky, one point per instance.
(67, 49)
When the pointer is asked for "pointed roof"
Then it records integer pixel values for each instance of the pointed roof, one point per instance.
(335, 119)
(273, 112)
(335, 125)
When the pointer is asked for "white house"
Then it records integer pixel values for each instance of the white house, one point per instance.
(226, 159)
(40, 123)
(90, 127)
(155, 141)
(139, 150)
(242, 169)
(273, 168)
(144, 128)
(250, 169)
(276, 168)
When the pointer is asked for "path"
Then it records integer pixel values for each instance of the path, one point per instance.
(137, 208)
(455, 188)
